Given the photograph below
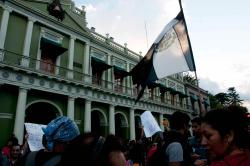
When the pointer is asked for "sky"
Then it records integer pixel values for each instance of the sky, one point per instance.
(219, 32)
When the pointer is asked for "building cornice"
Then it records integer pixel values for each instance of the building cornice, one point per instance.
(78, 90)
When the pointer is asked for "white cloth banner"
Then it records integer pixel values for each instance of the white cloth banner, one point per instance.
(150, 126)
(35, 135)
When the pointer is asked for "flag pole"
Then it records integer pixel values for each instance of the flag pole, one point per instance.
(146, 33)
(197, 82)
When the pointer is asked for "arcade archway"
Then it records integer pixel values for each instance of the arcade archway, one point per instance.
(121, 125)
(98, 122)
(41, 113)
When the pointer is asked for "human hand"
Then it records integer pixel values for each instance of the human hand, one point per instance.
(200, 162)
(195, 156)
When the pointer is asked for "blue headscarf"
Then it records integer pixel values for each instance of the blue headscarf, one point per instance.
(61, 129)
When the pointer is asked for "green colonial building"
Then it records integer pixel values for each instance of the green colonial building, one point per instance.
(52, 64)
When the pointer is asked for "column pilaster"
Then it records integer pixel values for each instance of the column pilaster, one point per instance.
(87, 116)
(132, 123)
(177, 100)
(169, 98)
(4, 26)
(111, 119)
(110, 74)
(3, 30)
(86, 63)
(196, 106)
(71, 108)
(20, 114)
(27, 41)
(71, 56)
(128, 82)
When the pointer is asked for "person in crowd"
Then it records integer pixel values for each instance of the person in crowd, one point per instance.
(15, 155)
(112, 152)
(25, 147)
(152, 146)
(57, 136)
(165, 124)
(7, 148)
(199, 154)
(59, 132)
(83, 150)
(137, 152)
(151, 150)
(225, 135)
(4, 160)
(129, 162)
(127, 154)
(174, 149)
(176, 140)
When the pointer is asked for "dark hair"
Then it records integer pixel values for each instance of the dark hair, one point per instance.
(230, 119)
(85, 148)
(196, 120)
(112, 144)
(179, 120)
(13, 139)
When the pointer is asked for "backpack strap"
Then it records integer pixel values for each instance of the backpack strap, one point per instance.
(53, 161)
(31, 159)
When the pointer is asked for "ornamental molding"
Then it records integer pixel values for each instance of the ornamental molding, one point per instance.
(6, 116)
(62, 87)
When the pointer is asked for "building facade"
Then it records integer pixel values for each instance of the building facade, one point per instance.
(52, 64)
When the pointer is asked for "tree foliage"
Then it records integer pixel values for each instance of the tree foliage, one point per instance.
(214, 103)
(233, 97)
(190, 79)
(222, 98)
(229, 98)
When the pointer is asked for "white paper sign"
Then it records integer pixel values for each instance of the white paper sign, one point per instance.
(150, 126)
(35, 136)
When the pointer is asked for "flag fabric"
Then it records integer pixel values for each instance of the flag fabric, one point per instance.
(170, 53)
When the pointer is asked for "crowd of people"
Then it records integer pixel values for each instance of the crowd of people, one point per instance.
(220, 138)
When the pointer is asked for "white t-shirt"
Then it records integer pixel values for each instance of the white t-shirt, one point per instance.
(174, 152)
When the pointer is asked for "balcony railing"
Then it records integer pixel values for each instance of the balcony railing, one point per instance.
(115, 45)
(40, 67)
(31, 65)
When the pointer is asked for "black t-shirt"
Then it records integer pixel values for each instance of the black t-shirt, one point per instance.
(39, 158)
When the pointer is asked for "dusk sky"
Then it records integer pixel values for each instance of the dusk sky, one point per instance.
(219, 31)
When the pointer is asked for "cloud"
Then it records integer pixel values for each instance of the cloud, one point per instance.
(240, 67)
(125, 20)
(245, 96)
(247, 104)
(90, 8)
(118, 17)
(209, 85)
(214, 87)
